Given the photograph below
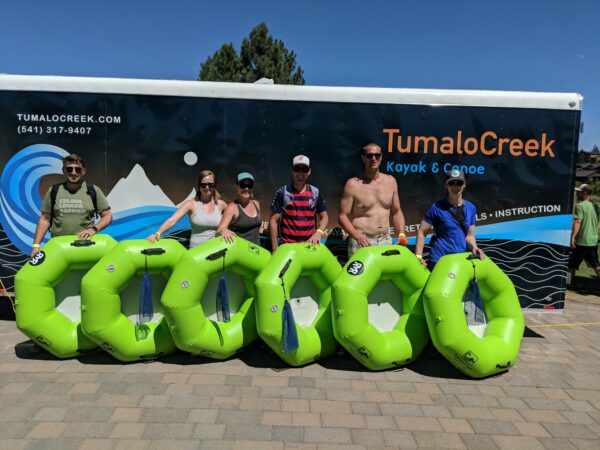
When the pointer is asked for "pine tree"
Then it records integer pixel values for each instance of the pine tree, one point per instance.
(261, 56)
(224, 65)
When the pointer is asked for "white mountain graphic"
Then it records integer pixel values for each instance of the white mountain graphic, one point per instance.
(136, 190)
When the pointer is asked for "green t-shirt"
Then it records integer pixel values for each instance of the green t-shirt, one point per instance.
(588, 232)
(73, 212)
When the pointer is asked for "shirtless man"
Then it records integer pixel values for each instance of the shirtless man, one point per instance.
(367, 203)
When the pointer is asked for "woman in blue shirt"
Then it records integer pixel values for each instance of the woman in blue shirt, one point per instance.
(453, 219)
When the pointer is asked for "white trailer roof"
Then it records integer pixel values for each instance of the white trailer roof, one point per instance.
(335, 94)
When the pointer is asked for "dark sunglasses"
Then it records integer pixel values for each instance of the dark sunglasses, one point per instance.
(372, 155)
(72, 169)
(302, 169)
(246, 184)
(455, 183)
(207, 185)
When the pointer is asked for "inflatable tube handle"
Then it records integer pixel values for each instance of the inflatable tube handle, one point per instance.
(472, 256)
(390, 252)
(82, 243)
(153, 251)
(216, 255)
(286, 266)
(503, 366)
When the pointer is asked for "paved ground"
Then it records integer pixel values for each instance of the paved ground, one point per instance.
(550, 399)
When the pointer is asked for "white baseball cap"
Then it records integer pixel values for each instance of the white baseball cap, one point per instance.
(301, 160)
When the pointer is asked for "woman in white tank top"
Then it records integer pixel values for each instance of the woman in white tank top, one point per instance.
(205, 212)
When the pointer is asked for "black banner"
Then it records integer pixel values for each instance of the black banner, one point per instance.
(145, 153)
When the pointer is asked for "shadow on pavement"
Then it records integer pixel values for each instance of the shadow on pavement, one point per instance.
(342, 360)
(529, 333)
(260, 355)
(432, 363)
(178, 358)
(586, 286)
(30, 350)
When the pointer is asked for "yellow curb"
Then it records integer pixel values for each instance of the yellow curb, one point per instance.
(577, 324)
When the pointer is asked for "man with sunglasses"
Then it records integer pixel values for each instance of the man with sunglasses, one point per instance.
(71, 207)
(367, 203)
(295, 208)
(453, 219)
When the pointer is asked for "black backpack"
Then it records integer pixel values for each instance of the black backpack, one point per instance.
(91, 191)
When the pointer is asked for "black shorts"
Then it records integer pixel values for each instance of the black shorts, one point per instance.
(581, 253)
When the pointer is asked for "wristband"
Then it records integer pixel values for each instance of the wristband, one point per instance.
(419, 257)
(35, 246)
(157, 233)
(320, 231)
(95, 228)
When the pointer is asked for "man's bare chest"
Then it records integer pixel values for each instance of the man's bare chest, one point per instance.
(369, 195)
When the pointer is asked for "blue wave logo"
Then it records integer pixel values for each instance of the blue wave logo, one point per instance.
(20, 200)
(137, 223)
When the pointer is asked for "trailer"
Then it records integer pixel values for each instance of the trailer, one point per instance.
(145, 141)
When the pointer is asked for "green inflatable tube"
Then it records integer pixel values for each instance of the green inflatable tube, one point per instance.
(307, 272)
(53, 322)
(110, 297)
(189, 299)
(475, 356)
(377, 307)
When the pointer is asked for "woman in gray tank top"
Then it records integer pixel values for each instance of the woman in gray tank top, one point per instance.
(205, 212)
(242, 217)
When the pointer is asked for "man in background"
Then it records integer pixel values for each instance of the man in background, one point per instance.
(584, 234)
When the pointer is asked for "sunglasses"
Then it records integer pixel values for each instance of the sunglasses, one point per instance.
(246, 184)
(455, 183)
(376, 156)
(302, 169)
(72, 169)
(207, 185)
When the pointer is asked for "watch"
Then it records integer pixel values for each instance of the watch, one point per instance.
(95, 228)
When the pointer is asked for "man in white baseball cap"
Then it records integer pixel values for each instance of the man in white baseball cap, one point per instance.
(295, 208)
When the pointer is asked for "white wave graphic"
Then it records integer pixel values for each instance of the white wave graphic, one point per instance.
(522, 289)
(536, 300)
(537, 246)
(535, 272)
(545, 272)
(8, 251)
(12, 268)
(542, 248)
(537, 257)
(541, 280)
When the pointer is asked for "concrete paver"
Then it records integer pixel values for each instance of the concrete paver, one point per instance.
(550, 399)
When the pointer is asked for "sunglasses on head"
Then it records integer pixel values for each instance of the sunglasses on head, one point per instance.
(455, 183)
(372, 155)
(72, 169)
(302, 169)
(207, 185)
(249, 184)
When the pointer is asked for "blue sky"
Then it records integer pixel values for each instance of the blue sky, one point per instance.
(536, 45)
